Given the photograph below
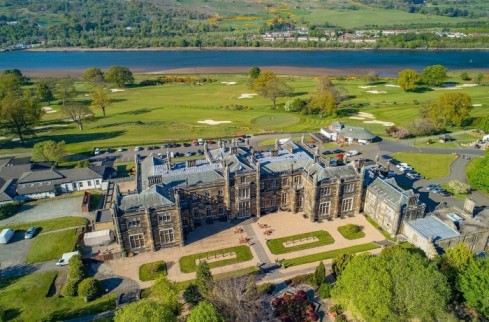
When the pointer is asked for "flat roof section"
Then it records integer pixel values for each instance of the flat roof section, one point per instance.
(431, 226)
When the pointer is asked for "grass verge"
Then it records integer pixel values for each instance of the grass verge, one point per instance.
(277, 247)
(427, 164)
(383, 232)
(329, 254)
(243, 254)
(25, 299)
(151, 271)
(50, 224)
(447, 187)
(51, 246)
(348, 235)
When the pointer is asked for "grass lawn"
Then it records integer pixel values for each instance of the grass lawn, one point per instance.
(95, 198)
(350, 236)
(243, 254)
(428, 165)
(383, 232)
(276, 245)
(329, 254)
(25, 299)
(151, 271)
(50, 224)
(447, 187)
(51, 246)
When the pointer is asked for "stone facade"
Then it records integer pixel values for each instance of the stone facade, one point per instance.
(233, 182)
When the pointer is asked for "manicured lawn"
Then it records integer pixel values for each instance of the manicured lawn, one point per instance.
(51, 246)
(428, 165)
(243, 254)
(277, 247)
(343, 231)
(383, 232)
(25, 299)
(151, 271)
(329, 254)
(50, 224)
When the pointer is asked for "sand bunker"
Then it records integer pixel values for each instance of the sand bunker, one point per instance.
(379, 122)
(212, 122)
(458, 86)
(377, 92)
(116, 90)
(357, 118)
(247, 96)
(476, 105)
(49, 126)
(229, 83)
(391, 85)
(15, 139)
(468, 85)
(367, 115)
(3, 137)
(48, 110)
(368, 86)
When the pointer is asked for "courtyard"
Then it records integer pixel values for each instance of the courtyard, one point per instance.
(211, 238)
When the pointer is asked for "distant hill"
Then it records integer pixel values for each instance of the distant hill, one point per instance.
(227, 23)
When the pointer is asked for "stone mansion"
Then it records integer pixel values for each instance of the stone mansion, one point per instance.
(172, 198)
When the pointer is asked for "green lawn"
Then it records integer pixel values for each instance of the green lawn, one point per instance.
(270, 142)
(383, 232)
(428, 165)
(343, 231)
(277, 247)
(243, 254)
(157, 114)
(151, 271)
(95, 198)
(329, 254)
(51, 246)
(25, 299)
(50, 224)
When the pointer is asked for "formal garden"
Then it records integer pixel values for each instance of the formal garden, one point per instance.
(298, 242)
(216, 258)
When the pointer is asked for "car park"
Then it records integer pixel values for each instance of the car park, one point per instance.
(30, 232)
(176, 145)
(164, 146)
(189, 154)
(413, 175)
(110, 150)
(432, 186)
(352, 153)
(445, 193)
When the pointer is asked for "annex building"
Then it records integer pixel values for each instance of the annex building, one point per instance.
(172, 198)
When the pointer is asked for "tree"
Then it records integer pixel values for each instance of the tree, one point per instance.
(93, 75)
(474, 285)
(20, 113)
(66, 89)
(324, 84)
(119, 75)
(483, 124)
(254, 72)
(423, 127)
(76, 269)
(9, 84)
(77, 113)
(459, 188)
(399, 285)
(269, 85)
(319, 274)
(70, 288)
(450, 109)
(101, 99)
(465, 76)
(204, 311)
(17, 73)
(408, 79)
(191, 294)
(90, 288)
(324, 103)
(479, 78)
(478, 173)
(434, 75)
(144, 310)
(165, 292)
(371, 78)
(203, 278)
(44, 93)
(340, 262)
(48, 151)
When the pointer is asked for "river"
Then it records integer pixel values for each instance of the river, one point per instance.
(382, 61)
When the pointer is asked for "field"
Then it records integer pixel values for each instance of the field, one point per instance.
(428, 165)
(156, 114)
(50, 224)
(28, 298)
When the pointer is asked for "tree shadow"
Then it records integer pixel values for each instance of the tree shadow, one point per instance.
(11, 314)
(421, 89)
(110, 284)
(342, 112)
(136, 112)
(295, 94)
(10, 274)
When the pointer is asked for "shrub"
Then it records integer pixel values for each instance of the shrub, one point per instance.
(9, 209)
(324, 290)
(397, 132)
(459, 188)
(90, 288)
(423, 127)
(352, 229)
(318, 277)
(70, 288)
(192, 295)
(77, 270)
(266, 288)
(301, 279)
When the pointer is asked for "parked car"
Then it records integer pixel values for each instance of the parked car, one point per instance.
(30, 232)
(189, 154)
(211, 142)
(413, 175)
(121, 149)
(164, 146)
(352, 153)
(186, 145)
(138, 148)
(338, 151)
(176, 145)
(432, 186)
(110, 150)
(445, 193)
(386, 157)
(437, 190)
(6, 235)
(327, 152)
(200, 152)
(96, 151)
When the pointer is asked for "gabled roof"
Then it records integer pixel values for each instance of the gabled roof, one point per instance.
(79, 174)
(7, 190)
(358, 133)
(390, 191)
(156, 196)
(39, 176)
(331, 173)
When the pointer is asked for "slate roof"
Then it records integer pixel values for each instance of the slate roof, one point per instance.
(357, 133)
(38, 176)
(15, 169)
(7, 190)
(331, 173)
(390, 192)
(155, 196)
(431, 226)
(79, 174)
(35, 187)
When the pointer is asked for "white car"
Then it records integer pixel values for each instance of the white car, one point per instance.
(120, 150)
(138, 148)
(96, 151)
(404, 169)
(352, 153)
